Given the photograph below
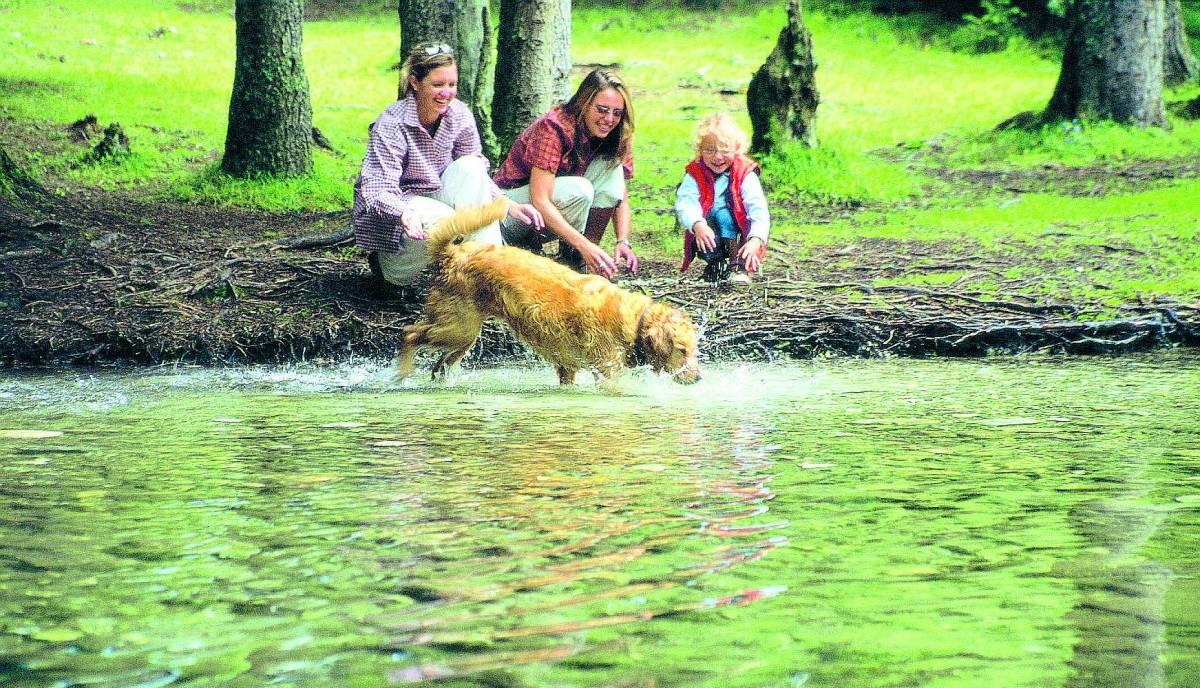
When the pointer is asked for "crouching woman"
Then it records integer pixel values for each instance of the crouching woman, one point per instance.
(423, 160)
(572, 164)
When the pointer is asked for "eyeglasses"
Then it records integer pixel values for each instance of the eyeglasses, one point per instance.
(438, 48)
(604, 111)
(715, 151)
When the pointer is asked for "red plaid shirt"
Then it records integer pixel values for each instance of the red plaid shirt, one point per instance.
(403, 161)
(547, 144)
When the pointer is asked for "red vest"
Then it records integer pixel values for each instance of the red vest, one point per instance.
(706, 181)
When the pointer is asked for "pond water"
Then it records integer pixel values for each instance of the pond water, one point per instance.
(994, 522)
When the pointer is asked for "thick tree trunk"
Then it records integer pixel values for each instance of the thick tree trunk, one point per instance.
(782, 98)
(527, 74)
(270, 117)
(1113, 64)
(1179, 63)
(465, 26)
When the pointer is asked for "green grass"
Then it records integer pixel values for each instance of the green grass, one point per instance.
(885, 83)
(1156, 229)
(1075, 144)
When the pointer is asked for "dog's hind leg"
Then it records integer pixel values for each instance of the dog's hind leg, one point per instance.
(449, 358)
(455, 338)
(414, 338)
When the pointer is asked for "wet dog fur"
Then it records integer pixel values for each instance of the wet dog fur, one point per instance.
(574, 321)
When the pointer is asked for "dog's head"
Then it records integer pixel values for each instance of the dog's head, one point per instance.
(669, 343)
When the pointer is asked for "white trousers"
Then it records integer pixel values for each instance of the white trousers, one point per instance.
(464, 183)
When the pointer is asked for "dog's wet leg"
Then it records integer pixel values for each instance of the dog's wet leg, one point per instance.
(447, 361)
(414, 338)
(455, 339)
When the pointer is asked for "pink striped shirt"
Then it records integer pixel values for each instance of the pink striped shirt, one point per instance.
(403, 161)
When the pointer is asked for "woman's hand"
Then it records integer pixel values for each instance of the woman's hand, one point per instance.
(706, 239)
(410, 224)
(749, 254)
(624, 251)
(598, 262)
(525, 213)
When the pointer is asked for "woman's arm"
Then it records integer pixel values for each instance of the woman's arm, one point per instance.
(379, 180)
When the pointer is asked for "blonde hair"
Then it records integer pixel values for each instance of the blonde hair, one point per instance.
(619, 142)
(420, 62)
(721, 127)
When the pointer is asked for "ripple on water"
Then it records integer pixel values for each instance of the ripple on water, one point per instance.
(301, 524)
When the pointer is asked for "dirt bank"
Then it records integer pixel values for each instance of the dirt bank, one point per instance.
(108, 277)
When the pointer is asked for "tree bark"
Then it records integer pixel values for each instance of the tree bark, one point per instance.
(1179, 63)
(466, 27)
(270, 116)
(18, 190)
(782, 98)
(529, 73)
(561, 78)
(1113, 64)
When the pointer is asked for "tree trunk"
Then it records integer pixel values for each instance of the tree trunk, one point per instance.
(527, 74)
(1113, 64)
(1179, 63)
(270, 117)
(18, 190)
(561, 79)
(466, 27)
(782, 98)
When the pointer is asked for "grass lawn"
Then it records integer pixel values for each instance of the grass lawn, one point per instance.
(902, 121)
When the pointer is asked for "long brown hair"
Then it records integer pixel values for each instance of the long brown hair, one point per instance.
(421, 61)
(619, 142)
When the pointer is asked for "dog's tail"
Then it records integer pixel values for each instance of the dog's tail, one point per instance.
(456, 226)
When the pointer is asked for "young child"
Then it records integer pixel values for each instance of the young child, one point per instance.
(721, 204)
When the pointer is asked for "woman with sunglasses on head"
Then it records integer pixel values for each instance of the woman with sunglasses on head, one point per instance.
(423, 160)
(572, 164)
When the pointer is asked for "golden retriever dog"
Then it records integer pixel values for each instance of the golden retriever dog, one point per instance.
(574, 321)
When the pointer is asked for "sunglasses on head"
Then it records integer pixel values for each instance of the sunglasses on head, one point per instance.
(438, 48)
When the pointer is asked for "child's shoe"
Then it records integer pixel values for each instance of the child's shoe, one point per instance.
(737, 274)
(716, 270)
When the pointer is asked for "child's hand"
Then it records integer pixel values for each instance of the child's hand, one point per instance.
(706, 240)
(749, 254)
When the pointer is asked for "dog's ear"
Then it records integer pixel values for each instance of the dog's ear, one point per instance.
(659, 339)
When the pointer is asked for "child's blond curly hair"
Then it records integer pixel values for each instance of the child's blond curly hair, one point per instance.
(721, 127)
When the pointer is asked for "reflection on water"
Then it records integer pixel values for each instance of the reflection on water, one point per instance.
(860, 523)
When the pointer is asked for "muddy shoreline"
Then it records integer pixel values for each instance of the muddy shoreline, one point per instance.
(110, 278)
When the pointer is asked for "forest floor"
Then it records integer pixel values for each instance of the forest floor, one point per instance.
(120, 276)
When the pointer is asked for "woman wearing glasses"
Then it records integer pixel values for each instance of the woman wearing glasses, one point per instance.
(572, 164)
(423, 160)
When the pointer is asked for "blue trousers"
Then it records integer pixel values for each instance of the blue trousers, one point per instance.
(722, 221)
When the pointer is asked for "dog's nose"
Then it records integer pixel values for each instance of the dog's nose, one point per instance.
(688, 376)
